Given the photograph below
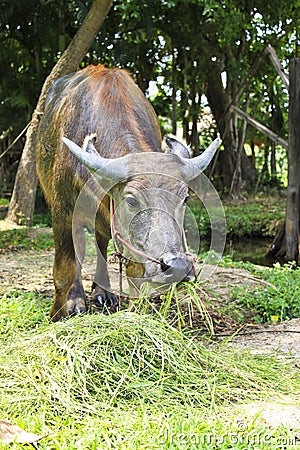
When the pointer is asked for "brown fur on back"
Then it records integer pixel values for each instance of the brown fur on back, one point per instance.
(94, 100)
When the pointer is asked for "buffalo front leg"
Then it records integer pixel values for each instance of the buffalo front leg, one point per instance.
(69, 295)
(76, 301)
(76, 297)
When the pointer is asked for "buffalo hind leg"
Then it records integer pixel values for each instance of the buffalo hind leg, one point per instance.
(103, 295)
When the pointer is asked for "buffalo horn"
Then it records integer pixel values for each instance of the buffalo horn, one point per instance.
(193, 167)
(112, 169)
(118, 169)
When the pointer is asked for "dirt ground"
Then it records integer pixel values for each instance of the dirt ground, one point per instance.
(31, 271)
(282, 338)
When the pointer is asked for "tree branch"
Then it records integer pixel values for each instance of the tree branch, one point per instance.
(262, 128)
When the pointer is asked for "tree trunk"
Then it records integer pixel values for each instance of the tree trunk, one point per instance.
(262, 128)
(273, 159)
(22, 202)
(184, 101)
(174, 90)
(219, 100)
(226, 120)
(264, 170)
(249, 172)
(278, 248)
(286, 242)
(293, 193)
(237, 174)
(194, 141)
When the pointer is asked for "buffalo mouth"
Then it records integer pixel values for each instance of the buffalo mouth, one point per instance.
(174, 269)
(177, 269)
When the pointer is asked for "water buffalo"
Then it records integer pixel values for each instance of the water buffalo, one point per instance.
(99, 141)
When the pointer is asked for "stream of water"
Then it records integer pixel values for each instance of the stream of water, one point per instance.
(252, 250)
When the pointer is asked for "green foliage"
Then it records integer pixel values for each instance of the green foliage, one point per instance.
(278, 299)
(256, 217)
(179, 45)
(4, 201)
(42, 220)
(22, 311)
(31, 33)
(253, 219)
(226, 261)
(25, 239)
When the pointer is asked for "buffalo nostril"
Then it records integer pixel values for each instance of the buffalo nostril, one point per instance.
(164, 266)
(176, 269)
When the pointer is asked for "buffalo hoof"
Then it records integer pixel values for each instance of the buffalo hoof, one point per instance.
(104, 298)
(109, 299)
(56, 316)
(76, 305)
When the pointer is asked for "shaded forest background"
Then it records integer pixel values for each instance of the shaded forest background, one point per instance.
(194, 59)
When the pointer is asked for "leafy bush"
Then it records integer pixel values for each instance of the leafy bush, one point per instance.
(4, 201)
(253, 219)
(42, 220)
(25, 239)
(258, 217)
(278, 299)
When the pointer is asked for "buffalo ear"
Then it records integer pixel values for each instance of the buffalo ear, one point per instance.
(170, 144)
(88, 143)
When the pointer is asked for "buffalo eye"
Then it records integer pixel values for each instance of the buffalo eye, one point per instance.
(132, 201)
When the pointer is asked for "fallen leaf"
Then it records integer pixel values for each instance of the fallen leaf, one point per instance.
(11, 433)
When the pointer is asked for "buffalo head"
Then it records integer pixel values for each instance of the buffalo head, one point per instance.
(149, 192)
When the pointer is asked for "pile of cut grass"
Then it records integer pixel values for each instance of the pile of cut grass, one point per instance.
(122, 381)
(91, 363)
(110, 360)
